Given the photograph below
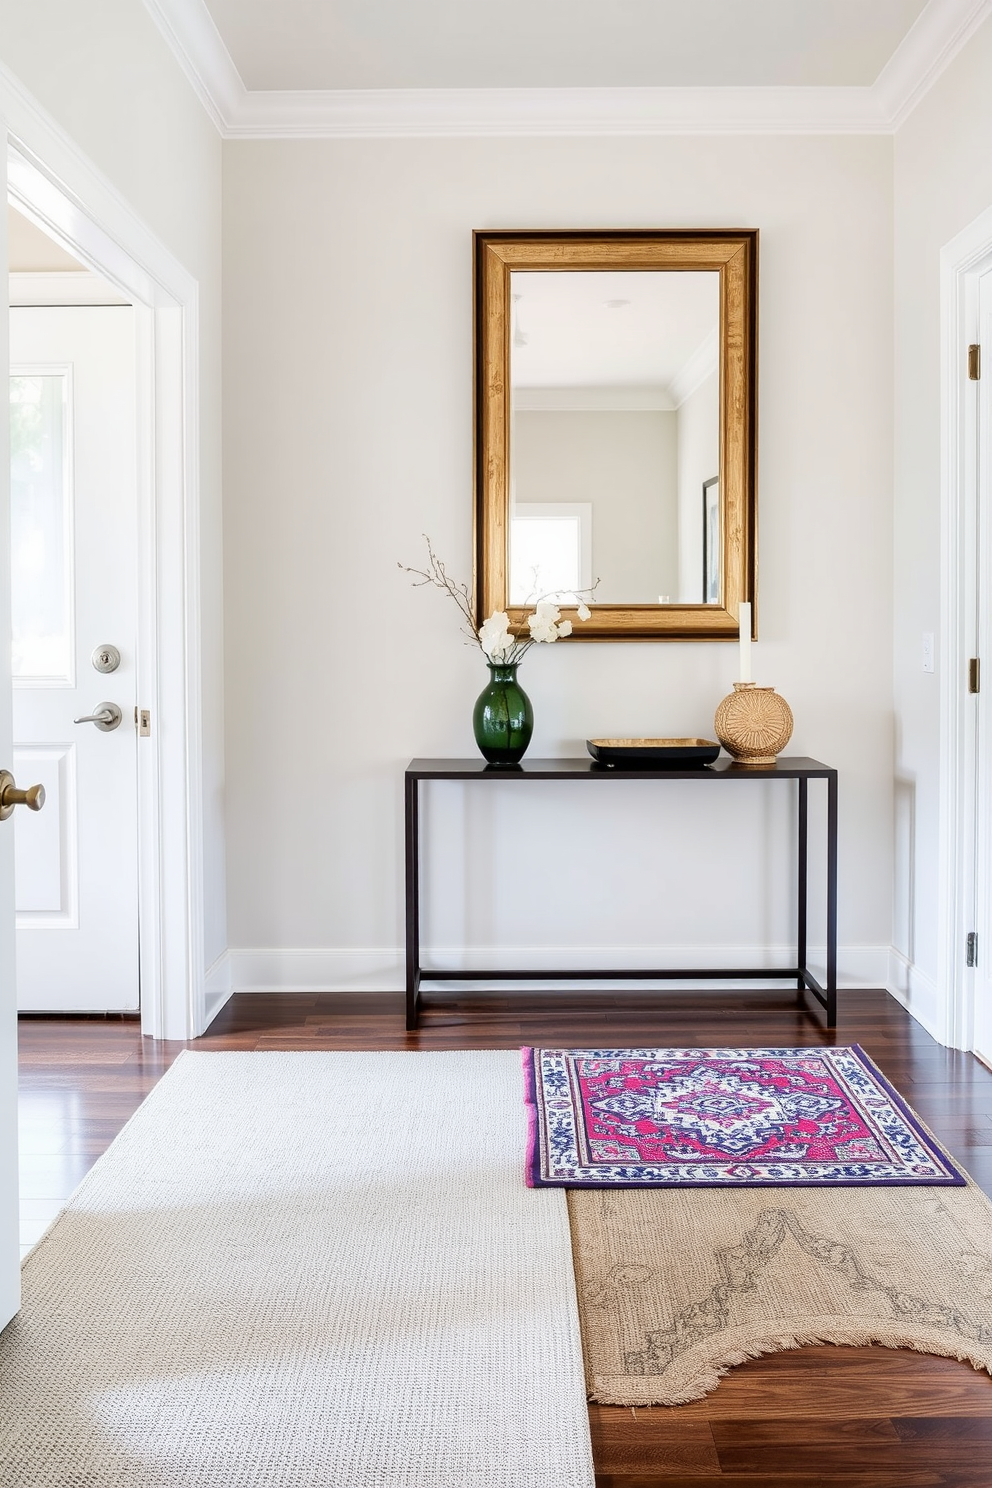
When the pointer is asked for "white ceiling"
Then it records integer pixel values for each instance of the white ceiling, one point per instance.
(610, 330)
(332, 44)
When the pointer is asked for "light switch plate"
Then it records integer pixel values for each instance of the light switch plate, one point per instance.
(928, 650)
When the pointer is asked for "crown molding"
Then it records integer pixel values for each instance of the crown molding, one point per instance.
(592, 400)
(432, 113)
(941, 30)
(189, 29)
(703, 363)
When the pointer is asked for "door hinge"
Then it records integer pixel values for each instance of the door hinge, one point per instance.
(974, 675)
(974, 362)
(972, 951)
(143, 722)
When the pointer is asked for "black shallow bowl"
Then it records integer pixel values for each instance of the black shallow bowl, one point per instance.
(654, 754)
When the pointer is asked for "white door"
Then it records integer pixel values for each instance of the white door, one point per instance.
(73, 564)
(983, 754)
(10, 1269)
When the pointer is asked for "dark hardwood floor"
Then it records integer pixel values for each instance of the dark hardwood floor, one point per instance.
(808, 1418)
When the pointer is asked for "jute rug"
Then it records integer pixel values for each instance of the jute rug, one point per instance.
(304, 1271)
(677, 1285)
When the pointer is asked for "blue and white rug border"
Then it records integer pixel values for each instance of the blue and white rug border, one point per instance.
(806, 1175)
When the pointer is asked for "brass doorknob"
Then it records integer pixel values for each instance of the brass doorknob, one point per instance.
(33, 798)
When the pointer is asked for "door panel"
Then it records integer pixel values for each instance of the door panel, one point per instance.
(73, 572)
(10, 1268)
(46, 886)
(983, 753)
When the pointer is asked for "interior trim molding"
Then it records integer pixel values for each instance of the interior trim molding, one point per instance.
(941, 30)
(54, 184)
(433, 113)
(592, 400)
(189, 29)
(918, 993)
(382, 970)
(217, 987)
(961, 261)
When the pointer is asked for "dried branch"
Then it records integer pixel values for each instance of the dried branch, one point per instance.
(437, 576)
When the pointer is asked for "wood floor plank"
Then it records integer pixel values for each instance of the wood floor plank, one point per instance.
(946, 1429)
(769, 1460)
(744, 1392)
(826, 1477)
(624, 1444)
(855, 1432)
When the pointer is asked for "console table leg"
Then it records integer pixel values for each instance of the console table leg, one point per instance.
(831, 987)
(412, 871)
(803, 856)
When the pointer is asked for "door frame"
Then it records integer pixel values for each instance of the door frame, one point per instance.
(53, 184)
(962, 262)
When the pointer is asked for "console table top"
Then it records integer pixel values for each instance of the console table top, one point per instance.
(582, 767)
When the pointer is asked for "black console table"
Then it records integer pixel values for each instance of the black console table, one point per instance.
(798, 769)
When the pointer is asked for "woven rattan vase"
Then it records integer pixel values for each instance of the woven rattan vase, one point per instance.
(753, 724)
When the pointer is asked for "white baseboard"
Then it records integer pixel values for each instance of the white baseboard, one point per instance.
(217, 987)
(917, 992)
(286, 970)
(358, 970)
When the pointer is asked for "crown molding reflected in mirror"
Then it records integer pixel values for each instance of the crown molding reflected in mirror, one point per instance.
(615, 427)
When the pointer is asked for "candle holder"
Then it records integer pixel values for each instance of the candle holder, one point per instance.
(753, 724)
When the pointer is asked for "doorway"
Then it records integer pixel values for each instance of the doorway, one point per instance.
(73, 573)
(981, 946)
(965, 820)
(79, 211)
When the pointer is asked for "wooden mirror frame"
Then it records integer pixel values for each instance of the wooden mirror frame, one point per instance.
(734, 254)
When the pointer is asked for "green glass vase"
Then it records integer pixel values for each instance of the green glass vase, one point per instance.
(503, 718)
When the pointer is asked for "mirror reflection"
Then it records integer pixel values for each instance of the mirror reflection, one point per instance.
(615, 436)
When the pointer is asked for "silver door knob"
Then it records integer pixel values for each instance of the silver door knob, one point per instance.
(106, 717)
(33, 798)
(106, 658)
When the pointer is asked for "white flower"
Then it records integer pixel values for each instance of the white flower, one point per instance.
(542, 628)
(542, 623)
(494, 636)
(564, 628)
(583, 612)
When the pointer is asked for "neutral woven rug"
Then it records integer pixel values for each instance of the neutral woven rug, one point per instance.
(295, 1270)
(677, 1285)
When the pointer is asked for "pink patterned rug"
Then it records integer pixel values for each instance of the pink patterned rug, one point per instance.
(714, 1118)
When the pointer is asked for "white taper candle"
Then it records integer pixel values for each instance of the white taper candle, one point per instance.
(744, 668)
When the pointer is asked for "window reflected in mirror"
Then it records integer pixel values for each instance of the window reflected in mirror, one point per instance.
(550, 551)
(614, 435)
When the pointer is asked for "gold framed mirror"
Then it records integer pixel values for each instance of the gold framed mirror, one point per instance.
(615, 427)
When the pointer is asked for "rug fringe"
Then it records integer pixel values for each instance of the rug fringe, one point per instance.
(632, 1390)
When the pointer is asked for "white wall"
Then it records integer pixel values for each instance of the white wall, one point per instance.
(624, 465)
(943, 181)
(699, 460)
(348, 429)
(104, 73)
